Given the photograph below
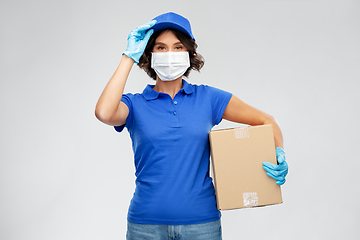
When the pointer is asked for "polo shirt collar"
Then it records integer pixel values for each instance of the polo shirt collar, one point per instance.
(150, 94)
(187, 88)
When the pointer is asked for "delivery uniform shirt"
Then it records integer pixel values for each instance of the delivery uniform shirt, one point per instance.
(171, 154)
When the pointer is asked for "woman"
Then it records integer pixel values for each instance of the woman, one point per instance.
(169, 124)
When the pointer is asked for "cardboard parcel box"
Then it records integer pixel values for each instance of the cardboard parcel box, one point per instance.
(237, 155)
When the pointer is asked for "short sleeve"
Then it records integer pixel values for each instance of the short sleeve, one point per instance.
(219, 100)
(126, 98)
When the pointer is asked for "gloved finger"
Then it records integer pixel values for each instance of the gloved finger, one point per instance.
(148, 35)
(281, 182)
(276, 166)
(280, 159)
(267, 169)
(277, 172)
(270, 165)
(139, 32)
(277, 178)
(283, 172)
(135, 35)
(283, 167)
(280, 155)
(146, 26)
(272, 172)
(280, 150)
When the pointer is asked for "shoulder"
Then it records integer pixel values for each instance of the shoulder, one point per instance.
(209, 90)
(131, 99)
(201, 87)
(133, 96)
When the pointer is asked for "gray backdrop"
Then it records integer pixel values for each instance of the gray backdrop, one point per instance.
(64, 175)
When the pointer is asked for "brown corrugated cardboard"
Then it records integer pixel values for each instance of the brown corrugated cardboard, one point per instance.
(237, 155)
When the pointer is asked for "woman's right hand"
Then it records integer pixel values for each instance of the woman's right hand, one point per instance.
(137, 40)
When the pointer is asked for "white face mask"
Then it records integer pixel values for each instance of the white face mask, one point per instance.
(170, 65)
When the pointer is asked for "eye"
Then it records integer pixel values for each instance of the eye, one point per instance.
(179, 47)
(160, 48)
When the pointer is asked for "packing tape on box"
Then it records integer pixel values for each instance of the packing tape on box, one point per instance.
(242, 133)
(250, 199)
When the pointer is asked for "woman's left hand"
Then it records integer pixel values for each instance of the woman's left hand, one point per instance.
(277, 172)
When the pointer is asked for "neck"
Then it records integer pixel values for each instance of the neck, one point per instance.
(169, 87)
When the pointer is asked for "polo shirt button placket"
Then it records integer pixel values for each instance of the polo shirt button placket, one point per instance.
(175, 103)
(174, 113)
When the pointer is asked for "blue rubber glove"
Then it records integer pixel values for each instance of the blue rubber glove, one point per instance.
(277, 172)
(137, 40)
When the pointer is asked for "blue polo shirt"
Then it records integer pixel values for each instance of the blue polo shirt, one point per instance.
(171, 154)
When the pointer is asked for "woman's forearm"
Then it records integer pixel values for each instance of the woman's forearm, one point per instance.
(240, 112)
(108, 108)
(278, 137)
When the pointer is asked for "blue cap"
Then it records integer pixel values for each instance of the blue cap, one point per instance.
(174, 21)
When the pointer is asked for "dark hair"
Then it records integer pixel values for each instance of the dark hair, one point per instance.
(196, 60)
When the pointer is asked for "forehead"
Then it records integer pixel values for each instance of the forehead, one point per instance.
(167, 37)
